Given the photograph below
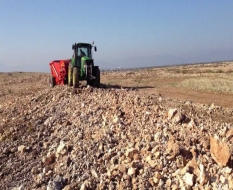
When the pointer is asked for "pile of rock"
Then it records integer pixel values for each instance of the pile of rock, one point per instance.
(112, 139)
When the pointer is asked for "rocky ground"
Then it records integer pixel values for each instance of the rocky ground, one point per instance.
(113, 138)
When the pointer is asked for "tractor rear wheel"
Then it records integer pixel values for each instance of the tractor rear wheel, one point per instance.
(97, 77)
(51, 81)
(75, 77)
(70, 73)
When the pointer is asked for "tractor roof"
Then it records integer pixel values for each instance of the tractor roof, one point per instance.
(80, 45)
(83, 43)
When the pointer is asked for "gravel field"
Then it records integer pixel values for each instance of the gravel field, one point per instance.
(143, 129)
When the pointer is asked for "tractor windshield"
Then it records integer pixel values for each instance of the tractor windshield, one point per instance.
(84, 51)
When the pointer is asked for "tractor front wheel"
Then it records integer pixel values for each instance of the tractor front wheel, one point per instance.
(70, 73)
(97, 77)
(75, 77)
(89, 82)
(51, 81)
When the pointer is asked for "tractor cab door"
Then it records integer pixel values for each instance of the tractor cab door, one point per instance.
(82, 51)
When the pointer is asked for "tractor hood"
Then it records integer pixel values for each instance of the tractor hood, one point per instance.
(85, 58)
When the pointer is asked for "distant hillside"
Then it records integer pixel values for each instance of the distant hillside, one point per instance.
(168, 65)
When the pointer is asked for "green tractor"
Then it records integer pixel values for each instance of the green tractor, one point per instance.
(81, 66)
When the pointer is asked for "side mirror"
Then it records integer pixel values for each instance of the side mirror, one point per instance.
(95, 48)
(72, 47)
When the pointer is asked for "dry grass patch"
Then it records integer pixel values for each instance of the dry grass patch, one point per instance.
(224, 84)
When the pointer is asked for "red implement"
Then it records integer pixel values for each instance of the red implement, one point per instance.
(59, 71)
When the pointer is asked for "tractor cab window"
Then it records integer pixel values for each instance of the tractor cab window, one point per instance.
(84, 51)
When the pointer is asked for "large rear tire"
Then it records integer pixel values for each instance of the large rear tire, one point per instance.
(70, 74)
(75, 77)
(52, 81)
(97, 77)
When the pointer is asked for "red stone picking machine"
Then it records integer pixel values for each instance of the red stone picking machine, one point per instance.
(59, 72)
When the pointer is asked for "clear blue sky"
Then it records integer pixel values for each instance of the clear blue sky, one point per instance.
(127, 33)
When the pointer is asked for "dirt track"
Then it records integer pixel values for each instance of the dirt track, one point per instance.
(208, 83)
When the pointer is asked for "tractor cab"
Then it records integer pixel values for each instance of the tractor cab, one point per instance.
(83, 50)
(82, 56)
